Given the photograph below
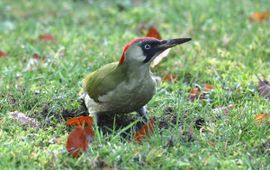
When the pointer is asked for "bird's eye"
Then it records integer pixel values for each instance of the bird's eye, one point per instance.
(147, 46)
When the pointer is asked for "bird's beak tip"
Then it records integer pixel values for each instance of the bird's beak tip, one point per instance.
(173, 42)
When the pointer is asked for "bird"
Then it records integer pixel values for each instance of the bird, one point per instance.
(127, 85)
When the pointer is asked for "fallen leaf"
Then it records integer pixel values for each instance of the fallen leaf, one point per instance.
(195, 93)
(145, 130)
(262, 117)
(153, 32)
(90, 134)
(46, 37)
(169, 77)
(208, 87)
(2, 54)
(23, 119)
(78, 140)
(80, 121)
(259, 16)
(264, 88)
(223, 109)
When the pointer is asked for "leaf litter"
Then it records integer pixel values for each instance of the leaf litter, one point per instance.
(24, 119)
(80, 137)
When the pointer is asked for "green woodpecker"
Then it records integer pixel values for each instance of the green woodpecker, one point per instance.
(128, 85)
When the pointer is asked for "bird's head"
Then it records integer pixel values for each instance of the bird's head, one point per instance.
(144, 50)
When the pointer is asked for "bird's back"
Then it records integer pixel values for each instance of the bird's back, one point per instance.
(102, 81)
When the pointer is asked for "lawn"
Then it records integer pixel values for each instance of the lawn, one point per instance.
(43, 79)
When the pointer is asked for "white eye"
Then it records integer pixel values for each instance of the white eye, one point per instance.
(147, 46)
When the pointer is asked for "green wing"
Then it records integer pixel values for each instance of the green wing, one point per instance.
(102, 81)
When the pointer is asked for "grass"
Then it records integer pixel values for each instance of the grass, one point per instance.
(227, 52)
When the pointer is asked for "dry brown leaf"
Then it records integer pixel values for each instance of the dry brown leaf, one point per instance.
(264, 88)
(259, 16)
(145, 130)
(81, 136)
(153, 32)
(262, 117)
(169, 77)
(46, 37)
(23, 119)
(78, 140)
(2, 54)
(208, 87)
(195, 93)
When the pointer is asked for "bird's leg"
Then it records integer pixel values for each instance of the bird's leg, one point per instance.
(86, 101)
(95, 116)
(143, 113)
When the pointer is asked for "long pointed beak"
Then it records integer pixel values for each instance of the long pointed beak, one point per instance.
(165, 44)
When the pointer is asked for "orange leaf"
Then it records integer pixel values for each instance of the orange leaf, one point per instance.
(262, 117)
(87, 120)
(208, 87)
(145, 130)
(46, 37)
(80, 121)
(153, 32)
(194, 93)
(2, 54)
(169, 77)
(90, 134)
(73, 121)
(78, 140)
(259, 16)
